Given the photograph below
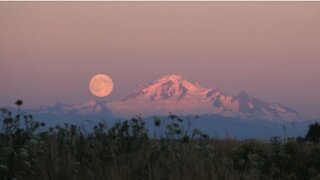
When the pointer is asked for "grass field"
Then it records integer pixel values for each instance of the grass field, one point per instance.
(124, 151)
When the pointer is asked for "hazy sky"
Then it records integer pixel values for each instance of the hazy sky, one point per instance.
(50, 50)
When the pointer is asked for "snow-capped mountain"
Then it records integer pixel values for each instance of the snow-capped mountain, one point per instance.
(175, 94)
(57, 108)
(86, 108)
(92, 107)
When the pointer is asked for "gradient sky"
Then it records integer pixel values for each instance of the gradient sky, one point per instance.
(50, 50)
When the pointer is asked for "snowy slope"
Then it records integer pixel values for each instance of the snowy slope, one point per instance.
(175, 94)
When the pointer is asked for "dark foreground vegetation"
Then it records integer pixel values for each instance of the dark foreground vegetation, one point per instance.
(125, 151)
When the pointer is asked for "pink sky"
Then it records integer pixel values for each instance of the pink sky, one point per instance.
(50, 50)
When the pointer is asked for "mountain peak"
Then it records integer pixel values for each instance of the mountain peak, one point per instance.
(167, 87)
(173, 93)
(173, 77)
(243, 95)
(173, 86)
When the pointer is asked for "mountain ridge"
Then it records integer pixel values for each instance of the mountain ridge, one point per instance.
(173, 93)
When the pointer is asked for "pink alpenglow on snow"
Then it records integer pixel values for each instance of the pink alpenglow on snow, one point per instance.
(175, 94)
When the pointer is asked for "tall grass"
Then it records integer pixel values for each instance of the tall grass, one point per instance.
(124, 151)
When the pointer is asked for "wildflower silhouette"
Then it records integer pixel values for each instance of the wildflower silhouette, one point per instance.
(126, 151)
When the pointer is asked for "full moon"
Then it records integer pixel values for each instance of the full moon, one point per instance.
(101, 85)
